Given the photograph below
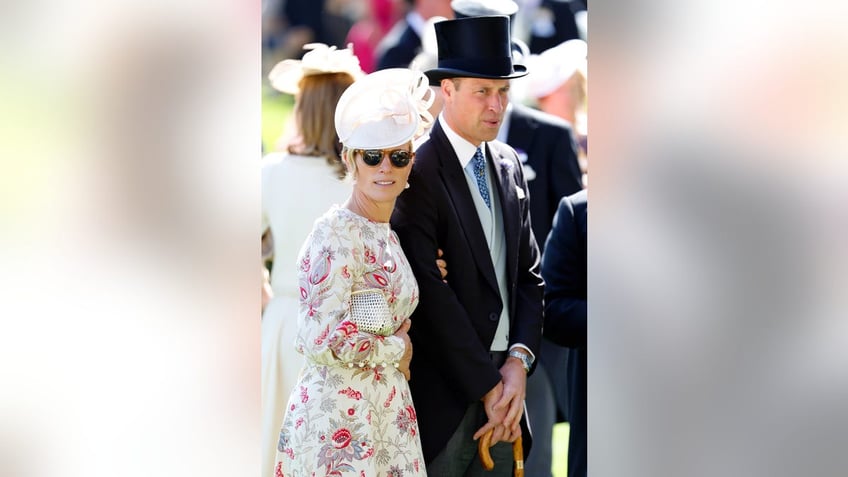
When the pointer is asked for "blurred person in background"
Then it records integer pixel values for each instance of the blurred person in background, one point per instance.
(555, 21)
(564, 271)
(351, 412)
(369, 29)
(298, 185)
(476, 336)
(403, 42)
(288, 25)
(559, 86)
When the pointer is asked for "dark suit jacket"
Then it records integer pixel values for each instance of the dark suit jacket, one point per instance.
(454, 324)
(564, 270)
(551, 152)
(565, 26)
(398, 48)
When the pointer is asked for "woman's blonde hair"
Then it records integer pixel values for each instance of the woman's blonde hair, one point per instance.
(314, 111)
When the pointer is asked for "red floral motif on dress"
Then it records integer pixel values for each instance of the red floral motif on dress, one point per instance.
(370, 258)
(351, 393)
(347, 329)
(364, 347)
(321, 270)
(341, 438)
(391, 396)
(320, 339)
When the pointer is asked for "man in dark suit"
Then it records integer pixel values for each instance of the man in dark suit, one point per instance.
(564, 270)
(547, 149)
(475, 337)
(399, 47)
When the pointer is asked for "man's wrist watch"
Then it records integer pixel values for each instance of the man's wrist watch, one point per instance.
(526, 362)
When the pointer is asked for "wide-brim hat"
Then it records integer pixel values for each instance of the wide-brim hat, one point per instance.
(555, 66)
(320, 59)
(384, 109)
(475, 47)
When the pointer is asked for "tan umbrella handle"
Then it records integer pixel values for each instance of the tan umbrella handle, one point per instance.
(486, 459)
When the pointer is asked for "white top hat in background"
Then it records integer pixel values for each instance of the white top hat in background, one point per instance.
(321, 59)
(384, 109)
(554, 66)
(478, 8)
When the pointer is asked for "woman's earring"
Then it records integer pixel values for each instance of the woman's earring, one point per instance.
(406, 186)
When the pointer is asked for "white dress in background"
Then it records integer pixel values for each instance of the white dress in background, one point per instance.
(296, 190)
(351, 413)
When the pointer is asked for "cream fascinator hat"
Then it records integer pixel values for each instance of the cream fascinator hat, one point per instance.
(320, 59)
(554, 66)
(384, 109)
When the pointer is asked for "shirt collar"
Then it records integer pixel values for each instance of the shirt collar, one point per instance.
(464, 150)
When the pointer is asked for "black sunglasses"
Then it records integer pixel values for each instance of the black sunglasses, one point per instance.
(373, 157)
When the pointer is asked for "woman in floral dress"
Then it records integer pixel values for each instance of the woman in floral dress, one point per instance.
(310, 162)
(351, 413)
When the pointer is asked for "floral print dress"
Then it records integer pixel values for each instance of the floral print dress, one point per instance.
(350, 413)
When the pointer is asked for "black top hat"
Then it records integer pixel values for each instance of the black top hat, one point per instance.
(476, 47)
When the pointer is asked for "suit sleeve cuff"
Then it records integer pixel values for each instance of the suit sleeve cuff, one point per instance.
(525, 348)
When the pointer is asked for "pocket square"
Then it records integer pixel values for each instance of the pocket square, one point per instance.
(519, 192)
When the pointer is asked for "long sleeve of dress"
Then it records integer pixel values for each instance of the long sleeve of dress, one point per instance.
(331, 264)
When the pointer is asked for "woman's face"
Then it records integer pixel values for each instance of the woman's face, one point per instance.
(383, 181)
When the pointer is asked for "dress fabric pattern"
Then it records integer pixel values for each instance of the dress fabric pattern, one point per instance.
(351, 413)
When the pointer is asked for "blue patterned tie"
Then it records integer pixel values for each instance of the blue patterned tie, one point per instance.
(479, 163)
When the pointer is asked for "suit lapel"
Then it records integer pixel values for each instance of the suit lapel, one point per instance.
(509, 208)
(457, 187)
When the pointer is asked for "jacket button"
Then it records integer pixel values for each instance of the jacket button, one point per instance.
(493, 317)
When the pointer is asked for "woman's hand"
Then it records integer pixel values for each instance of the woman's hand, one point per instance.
(442, 264)
(406, 359)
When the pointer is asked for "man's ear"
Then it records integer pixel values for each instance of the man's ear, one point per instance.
(447, 88)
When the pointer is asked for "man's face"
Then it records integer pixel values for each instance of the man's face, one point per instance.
(475, 107)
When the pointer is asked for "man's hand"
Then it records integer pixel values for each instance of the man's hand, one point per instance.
(495, 415)
(512, 398)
